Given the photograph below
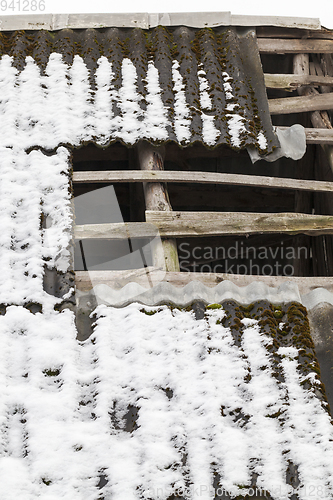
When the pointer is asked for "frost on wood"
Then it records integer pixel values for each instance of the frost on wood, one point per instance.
(35, 221)
(157, 403)
(67, 104)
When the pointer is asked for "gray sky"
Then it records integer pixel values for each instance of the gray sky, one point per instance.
(305, 8)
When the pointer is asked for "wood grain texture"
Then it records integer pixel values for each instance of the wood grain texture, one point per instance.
(297, 46)
(319, 135)
(116, 176)
(190, 224)
(115, 231)
(300, 104)
(291, 82)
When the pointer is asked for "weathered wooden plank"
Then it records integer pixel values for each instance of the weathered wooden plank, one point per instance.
(115, 231)
(190, 224)
(297, 46)
(118, 279)
(115, 176)
(319, 119)
(301, 104)
(277, 32)
(291, 82)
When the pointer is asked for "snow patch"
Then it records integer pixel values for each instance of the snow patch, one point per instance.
(182, 121)
(209, 131)
(156, 120)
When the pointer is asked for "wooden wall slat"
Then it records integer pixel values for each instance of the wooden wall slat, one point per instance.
(301, 104)
(295, 45)
(202, 178)
(190, 224)
(291, 82)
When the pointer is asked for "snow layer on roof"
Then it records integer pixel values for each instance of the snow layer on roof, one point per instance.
(67, 104)
(209, 131)
(155, 403)
(182, 111)
(35, 221)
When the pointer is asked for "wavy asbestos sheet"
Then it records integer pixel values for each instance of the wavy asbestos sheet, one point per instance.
(105, 86)
(165, 293)
(316, 297)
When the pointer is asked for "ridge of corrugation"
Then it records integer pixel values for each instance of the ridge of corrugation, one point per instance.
(222, 53)
(164, 293)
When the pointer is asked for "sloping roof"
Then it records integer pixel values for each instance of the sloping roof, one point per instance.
(157, 401)
(231, 402)
(179, 84)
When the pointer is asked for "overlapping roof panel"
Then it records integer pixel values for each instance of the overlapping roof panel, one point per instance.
(179, 84)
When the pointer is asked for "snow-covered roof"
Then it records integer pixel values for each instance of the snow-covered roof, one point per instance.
(180, 84)
(158, 402)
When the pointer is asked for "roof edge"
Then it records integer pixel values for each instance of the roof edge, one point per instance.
(144, 20)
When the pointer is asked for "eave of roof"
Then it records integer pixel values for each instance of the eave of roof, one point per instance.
(150, 20)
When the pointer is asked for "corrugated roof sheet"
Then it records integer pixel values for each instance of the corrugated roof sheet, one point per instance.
(180, 84)
(177, 407)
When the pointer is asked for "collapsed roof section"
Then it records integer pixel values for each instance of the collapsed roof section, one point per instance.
(177, 84)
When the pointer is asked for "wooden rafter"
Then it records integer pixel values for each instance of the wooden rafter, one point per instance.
(301, 104)
(292, 82)
(115, 176)
(294, 46)
(190, 224)
(193, 224)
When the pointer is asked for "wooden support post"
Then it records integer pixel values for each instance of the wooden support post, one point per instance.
(165, 255)
(303, 201)
(322, 245)
(319, 119)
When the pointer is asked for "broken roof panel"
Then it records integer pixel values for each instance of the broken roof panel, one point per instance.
(181, 84)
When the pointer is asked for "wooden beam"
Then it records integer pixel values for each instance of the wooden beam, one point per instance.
(156, 197)
(294, 46)
(118, 279)
(115, 231)
(303, 202)
(190, 224)
(116, 176)
(278, 32)
(317, 135)
(292, 82)
(301, 104)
